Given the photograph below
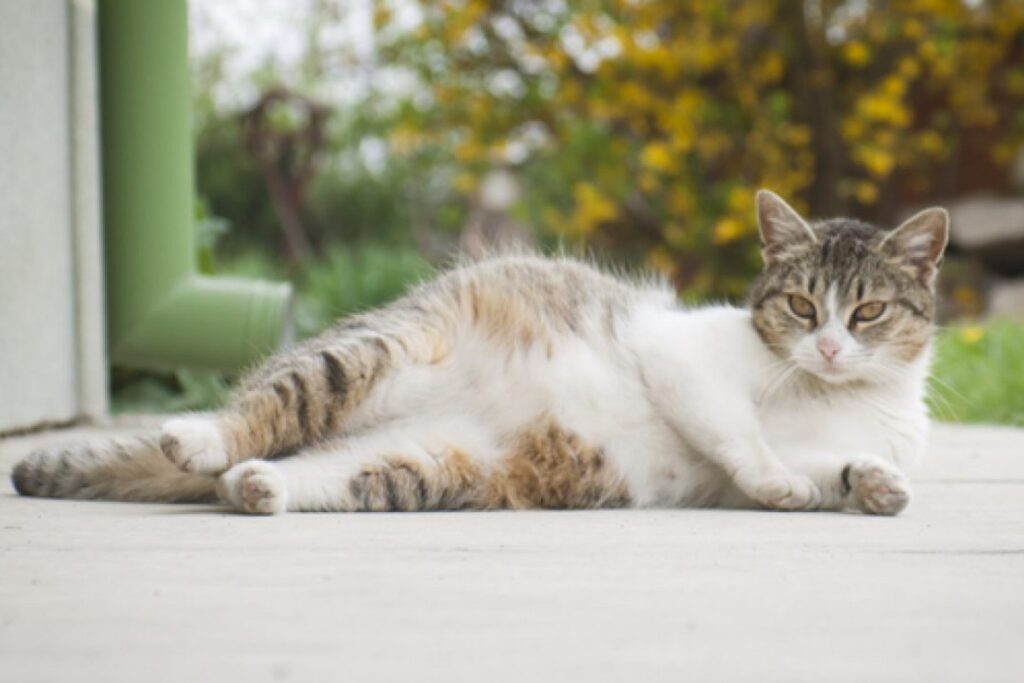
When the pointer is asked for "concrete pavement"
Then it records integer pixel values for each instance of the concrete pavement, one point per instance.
(127, 592)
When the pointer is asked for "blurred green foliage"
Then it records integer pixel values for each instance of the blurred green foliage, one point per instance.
(167, 392)
(344, 280)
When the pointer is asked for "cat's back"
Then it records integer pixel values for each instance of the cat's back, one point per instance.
(532, 299)
(554, 282)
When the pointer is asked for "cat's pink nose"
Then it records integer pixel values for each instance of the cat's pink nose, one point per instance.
(829, 348)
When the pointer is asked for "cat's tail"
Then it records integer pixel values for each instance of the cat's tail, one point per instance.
(132, 469)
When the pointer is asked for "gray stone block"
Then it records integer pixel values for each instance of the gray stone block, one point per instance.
(1006, 300)
(991, 229)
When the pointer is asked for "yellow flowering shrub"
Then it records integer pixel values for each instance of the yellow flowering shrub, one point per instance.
(648, 125)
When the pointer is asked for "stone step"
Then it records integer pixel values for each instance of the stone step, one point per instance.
(991, 229)
(1006, 300)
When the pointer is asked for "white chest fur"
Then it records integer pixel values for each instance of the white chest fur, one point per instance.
(890, 423)
(714, 381)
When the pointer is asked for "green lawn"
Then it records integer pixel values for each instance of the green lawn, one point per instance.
(979, 374)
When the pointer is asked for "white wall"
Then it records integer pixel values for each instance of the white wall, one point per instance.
(51, 316)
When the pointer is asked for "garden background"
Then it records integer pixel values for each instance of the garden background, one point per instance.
(353, 147)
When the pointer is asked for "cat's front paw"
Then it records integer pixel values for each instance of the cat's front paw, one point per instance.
(255, 487)
(877, 487)
(788, 492)
(194, 444)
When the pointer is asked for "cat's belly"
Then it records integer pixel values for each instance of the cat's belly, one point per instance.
(607, 405)
(583, 387)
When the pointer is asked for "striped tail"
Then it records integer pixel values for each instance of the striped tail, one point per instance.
(125, 469)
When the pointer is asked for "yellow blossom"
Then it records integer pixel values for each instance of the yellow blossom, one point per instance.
(894, 86)
(680, 202)
(675, 235)
(878, 162)
(884, 109)
(727, 230)
(657, 156)
(972, 334)
(592, 209)
(912, 29)
(967, 298)
(465, 182)
(909, 67)
(851, 129)
(381, 16)
(741, 200)
(649, 182)
(660, 259)
(798, 135)
(769, 69)
(469, 151)
(856, 53)
(867, 193)
(931, 143)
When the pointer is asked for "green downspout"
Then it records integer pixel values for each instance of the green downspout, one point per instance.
(162, 313)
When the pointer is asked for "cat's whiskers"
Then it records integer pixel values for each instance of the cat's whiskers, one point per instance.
(893, 373)
(934, 389)
(890, 376)
(779, 379)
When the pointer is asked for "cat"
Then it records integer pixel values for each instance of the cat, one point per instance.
(529, 382)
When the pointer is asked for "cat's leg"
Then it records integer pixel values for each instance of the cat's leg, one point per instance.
(760, 475)
(298, 400)
(720, 423)
(433, 464)
(864, 483)
(338, 482)
(301, 396)
(399, 468)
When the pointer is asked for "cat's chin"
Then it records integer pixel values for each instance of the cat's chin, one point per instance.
(831, 374)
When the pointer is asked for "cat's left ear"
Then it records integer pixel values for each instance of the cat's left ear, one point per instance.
(920, 241)
(783, 230)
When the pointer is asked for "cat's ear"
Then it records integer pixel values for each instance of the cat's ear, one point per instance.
(781, 227)
(919, 243)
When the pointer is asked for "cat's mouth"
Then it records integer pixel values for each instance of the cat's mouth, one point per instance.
(832, 372)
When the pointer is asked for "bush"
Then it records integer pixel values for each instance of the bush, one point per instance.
(648, 126)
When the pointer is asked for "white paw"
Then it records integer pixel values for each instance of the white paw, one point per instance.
(255, 487)
(878, 487)
(788, 492)
(194, 444)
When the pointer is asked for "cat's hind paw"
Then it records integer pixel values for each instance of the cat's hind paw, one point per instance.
(788, 492)
(194, 444)
(255, 487)
(877, 487)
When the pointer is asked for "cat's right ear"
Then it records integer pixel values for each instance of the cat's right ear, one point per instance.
(782, 228)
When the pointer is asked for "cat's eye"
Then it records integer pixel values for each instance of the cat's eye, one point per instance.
(801, 306)
(865, 313)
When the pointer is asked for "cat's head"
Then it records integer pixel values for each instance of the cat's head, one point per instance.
(844, 300)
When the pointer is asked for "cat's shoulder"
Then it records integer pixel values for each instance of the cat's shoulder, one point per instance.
(714, 330)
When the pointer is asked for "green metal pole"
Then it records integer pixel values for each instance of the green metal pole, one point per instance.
(161, 312)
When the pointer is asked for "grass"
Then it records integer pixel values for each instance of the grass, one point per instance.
(978, 374)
